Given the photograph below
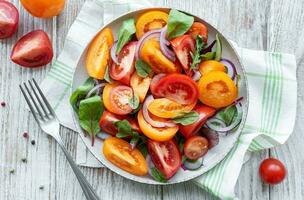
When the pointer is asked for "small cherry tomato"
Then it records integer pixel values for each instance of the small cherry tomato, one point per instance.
(178, 88)
(107, 120)
(198, 28)
(151, 54)
(183, 46)
(9, 19)
(272, 171)
(195, 147)
(125, 69)
(33, 50)
(116, 98)
(140, 86)
(157, 134)
(217, 89)
(165, 156)
(98, 54)
(166, 108)
(43, 8)
(150, 21)
(119, 152)
(204, 113)
(211, 66)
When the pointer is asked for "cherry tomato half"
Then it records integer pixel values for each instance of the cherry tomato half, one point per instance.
(119, 152)
(33, 50)
(165, 156)
(272, 171)
(198, 28)
(43, 8)
(140, 86)
(9, 19)
(166, 108)
(107, 120)
(178, 88)
(204, 113)
(116, 98)
(182, 47)
(157, 134)
(195, 147)
(125, 69)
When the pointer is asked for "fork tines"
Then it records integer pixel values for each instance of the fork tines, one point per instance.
(36, 101)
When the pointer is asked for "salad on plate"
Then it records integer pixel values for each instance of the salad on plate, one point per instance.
(159, 95)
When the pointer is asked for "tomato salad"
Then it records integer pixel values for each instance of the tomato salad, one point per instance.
(159, 96)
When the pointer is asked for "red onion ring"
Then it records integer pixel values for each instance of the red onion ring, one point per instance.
(164, 45)
(209, 48)
(113, 53)
(154, 82)
(231, 70)
(212, 137)
(146, 36)
(95, 89)
(197, 75)
(193, 165)
(149, 120)
(103, 136)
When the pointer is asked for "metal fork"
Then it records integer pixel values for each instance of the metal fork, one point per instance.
(48, 122)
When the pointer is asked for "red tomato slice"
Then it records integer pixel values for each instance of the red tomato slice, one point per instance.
(154, 83)
(204, 113)
(119, 99)
(125, 69)
(198, 28)
(195, 147)
(9, 19)
(108, 119)
(165, 156)
(182, 47)
(178, 88)
(33, 50)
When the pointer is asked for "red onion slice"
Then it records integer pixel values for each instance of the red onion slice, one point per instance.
(113, 53)
(164, 45)
(146, 36)
(212, 137)
(95, 89)
(193, 165)
(209, 48)
(149, 120)
(150, 164)
(103, 136)
(231, 70)
(197, 75)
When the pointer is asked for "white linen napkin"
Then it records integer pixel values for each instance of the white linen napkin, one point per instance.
(272, 88)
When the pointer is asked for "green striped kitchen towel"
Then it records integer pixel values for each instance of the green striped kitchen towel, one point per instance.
(272, 91)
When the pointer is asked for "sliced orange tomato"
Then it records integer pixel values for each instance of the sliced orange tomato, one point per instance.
(166, 108)
(119, 152)
(210, 66)
(98, 54)
(217, 89)
(116, 98)
(157, 134)
(140, 86)
(43, 8)
(198, 28)
(150, 21)
(152, 55)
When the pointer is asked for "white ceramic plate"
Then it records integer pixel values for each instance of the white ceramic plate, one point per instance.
(215, 155)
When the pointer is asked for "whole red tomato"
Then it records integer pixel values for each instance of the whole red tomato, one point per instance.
(272, 171)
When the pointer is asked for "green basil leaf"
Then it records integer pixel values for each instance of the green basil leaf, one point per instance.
(123, 126)
(187, 119)
(90, 111)
(238, 80)
(227, 115)
(81, 92)
(218, 52)
(125, 33)
(142, 68)
(178, 24)
(184, 158)
(196, 56)
(122, 135)
(143, 149)
(107, 76)
(134, 102)
(158, 175)
(134, 140)
(208, 56)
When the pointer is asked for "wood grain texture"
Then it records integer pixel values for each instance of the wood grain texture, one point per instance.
(276, 25)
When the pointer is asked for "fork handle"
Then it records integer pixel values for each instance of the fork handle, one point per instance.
(85, 185)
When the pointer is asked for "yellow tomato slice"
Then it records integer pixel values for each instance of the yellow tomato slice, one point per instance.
(150, 21)
(217, 89)
(140, 86)
(166, 108)
(211, 66)
(119, 152)
(152, 55)
(157, 134)
(98, 54)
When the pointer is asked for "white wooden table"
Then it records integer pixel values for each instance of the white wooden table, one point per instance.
(276, 25)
